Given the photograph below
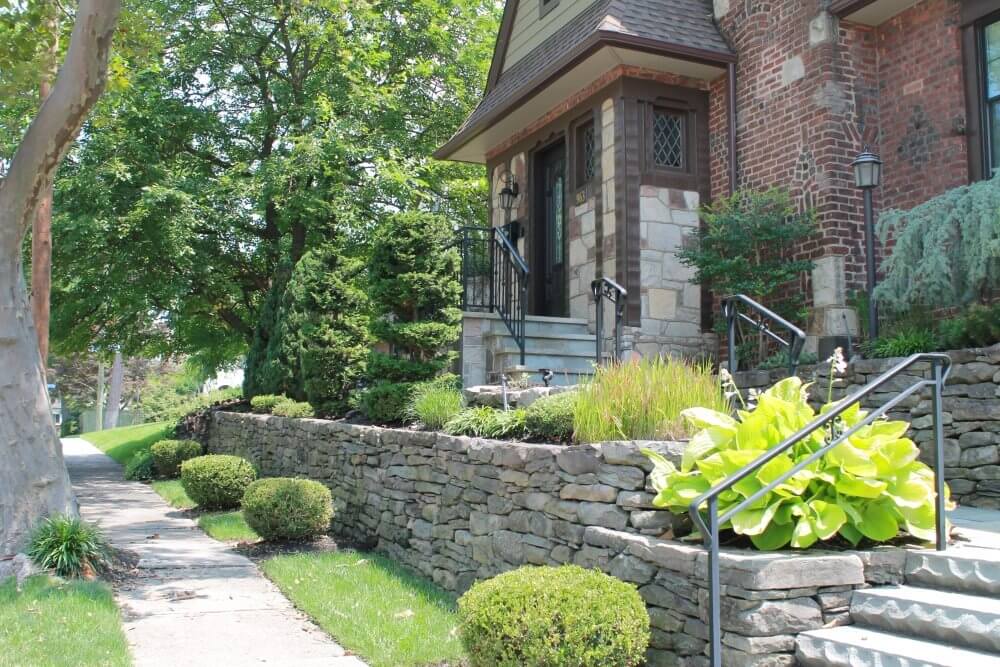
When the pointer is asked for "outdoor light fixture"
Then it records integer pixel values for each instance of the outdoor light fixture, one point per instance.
(507, 198)
(867, 176)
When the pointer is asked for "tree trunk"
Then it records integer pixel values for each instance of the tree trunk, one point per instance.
(33, 478)
(99, 406)
(41, 231)
(114, 400)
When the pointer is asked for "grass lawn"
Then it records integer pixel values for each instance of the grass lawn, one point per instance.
(51, 624)
(227, 527)
(123, 443)
(372, 606)
(173, 492)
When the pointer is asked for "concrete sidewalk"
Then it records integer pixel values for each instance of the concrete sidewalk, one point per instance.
(195, 601)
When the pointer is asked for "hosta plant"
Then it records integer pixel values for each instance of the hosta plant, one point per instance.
(870, 486)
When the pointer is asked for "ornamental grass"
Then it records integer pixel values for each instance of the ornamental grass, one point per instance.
(643, 400)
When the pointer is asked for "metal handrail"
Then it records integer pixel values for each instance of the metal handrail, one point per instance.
(606, 288)
(941, 367)
(732, 314)
(510, 287)
(476, 245)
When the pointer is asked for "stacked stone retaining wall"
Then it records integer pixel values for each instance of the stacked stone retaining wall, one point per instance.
(971, 413)
(460, 509)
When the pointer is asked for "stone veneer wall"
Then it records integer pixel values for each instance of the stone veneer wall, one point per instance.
(671, 303)
(461, 509)
(971, 414)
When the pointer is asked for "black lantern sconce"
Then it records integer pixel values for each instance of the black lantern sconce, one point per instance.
(507, 199)
(868, 176)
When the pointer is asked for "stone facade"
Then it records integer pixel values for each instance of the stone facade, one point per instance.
(671, 304)
(971, 414)
(461, 509)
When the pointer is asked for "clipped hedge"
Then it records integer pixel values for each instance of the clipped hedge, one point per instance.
(554, 617)
(289, 408)
(217, 481)
(168, 455)
(265, 402)
(282, 508)
(551, 417)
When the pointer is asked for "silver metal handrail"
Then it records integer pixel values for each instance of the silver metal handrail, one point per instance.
(732, 314)
(941, 367)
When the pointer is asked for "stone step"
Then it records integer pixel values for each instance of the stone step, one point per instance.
(856, 646)
(963, 569)
(563, 347)
(557, 362)
(958, 619)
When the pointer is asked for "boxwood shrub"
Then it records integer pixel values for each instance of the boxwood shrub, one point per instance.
(265, 402)
(281, 508)
(551, 417)
(217, 481)
(140, 467)
(286, 407)
(168, 455)
(554, 617)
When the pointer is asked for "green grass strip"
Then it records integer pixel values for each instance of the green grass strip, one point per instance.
(123, 443)
(51, 624)
(372, 606)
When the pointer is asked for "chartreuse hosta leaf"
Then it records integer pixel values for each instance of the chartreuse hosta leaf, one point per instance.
(870, 486)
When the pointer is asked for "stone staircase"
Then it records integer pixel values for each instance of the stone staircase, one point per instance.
(562, 344)
(946, 614)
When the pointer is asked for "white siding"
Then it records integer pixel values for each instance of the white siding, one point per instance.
(529, 31)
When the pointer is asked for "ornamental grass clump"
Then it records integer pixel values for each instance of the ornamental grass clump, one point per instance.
(554, 617)
(484, 422)
(870, 486)
(643, 400)
(434, 403)
(69, 546)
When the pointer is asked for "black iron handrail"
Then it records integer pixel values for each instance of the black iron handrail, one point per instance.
(510, 287)
(606, 288)
(477, 269)
(941, 367)
(732, 314)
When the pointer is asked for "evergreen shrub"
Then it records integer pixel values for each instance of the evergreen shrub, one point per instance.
(282, 508)
(140, 467)
(168, 455)
(217, 481)
(265, 402)
(290, 408)
(554, 617)
(551, 417)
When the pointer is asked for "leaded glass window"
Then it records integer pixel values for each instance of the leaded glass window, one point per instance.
(586, 146)
(668, 140)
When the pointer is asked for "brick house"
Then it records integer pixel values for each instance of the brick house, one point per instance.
(617, 119)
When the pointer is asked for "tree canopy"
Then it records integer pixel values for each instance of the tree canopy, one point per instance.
(240, 136)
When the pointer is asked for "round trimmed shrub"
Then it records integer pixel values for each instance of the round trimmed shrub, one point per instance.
(281, 508)
(554, 616)
(551, 417)
(168, 455)
(286, 407)
(217, 481)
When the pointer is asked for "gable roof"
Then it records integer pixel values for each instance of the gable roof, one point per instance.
(684, 29)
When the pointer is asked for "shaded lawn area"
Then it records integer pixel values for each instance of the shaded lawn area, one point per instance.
(223, 526)
(123, 443)
(372, 606)
(51, 624)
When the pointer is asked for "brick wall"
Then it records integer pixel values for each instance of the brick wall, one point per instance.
(812, 90)
(921, 103)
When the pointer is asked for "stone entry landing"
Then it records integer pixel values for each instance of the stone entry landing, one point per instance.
(194, 600)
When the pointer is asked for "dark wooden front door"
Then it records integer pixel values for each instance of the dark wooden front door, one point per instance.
(549, 233)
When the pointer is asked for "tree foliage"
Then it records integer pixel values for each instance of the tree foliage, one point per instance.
(234, 149)
(945, 252)
(747, 246)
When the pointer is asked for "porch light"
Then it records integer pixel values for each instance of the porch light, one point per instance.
(867, 170)
(507, 197)
(867, 176)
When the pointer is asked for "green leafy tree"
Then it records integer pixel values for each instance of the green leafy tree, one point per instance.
(203, 182)
(946, 251)
(747, 245)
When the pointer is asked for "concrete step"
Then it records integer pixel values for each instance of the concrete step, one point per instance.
(555, 346)
(958, 619)
(856, 646)
(534, 361)
(964, 569)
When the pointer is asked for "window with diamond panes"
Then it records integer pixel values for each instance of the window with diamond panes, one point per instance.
(668, 140)
(587, 147)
